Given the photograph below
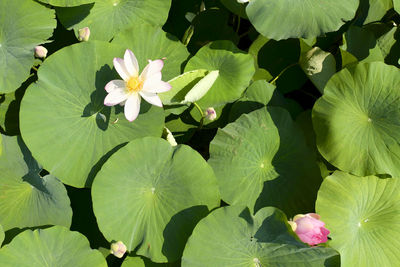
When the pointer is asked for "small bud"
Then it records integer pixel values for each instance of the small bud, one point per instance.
(40, 51)
(84, 34)
(118, 249)
(211, 114)
(242, 1)
(190, 16)
(202, 6)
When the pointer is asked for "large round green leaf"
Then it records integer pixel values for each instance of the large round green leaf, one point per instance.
(24, 24)
(235, 72)
(295, 190)
(235, 7)
(27, 199)
(67, 3)
(105, 18)
(241, 155)
(2, 235)
(156, 196)
(319, 66)
(389, 46)
(256, 96)
(396, 5)
(363, 215)
(64, 121)
(374, 10)
(9, 109)
(55, 246)
(255, 169)
(362, 43)
(231, 236)
(151, 42)
(143, 262)
(357, 120)
(285, 19)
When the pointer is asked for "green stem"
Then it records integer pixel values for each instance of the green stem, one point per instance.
(238, 25)
(244, 34)
(308, 94)
(201, 114)
(199, 109)
(188, 35)
(33, 67)
(280, 74)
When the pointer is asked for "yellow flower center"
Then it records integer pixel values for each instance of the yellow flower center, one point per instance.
(134, 84)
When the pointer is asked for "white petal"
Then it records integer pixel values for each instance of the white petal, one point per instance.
(153, 68)
(115, 97)
(151, 98)
(132, 107)
(114, 85)
(154, 86)
(119, 65)
(131, 63)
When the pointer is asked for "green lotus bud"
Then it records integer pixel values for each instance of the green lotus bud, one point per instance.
(118, 249)
(84, 34)
(40, 51)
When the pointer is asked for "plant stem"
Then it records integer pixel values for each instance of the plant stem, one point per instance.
(238, 25)
(280, 74)
(201, 114)
(199, 109)
(308, 94)
(244, 34)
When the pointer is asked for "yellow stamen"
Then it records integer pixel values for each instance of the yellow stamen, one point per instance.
(134, 85)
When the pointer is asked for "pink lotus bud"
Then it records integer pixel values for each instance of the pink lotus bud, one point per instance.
(40, 51)
(309, 228)
(84, 34)
(118, 249)
(211, 114)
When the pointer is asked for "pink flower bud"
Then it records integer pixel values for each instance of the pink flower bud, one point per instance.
(118, 249)
(84, 34)
(40, 51)
(309, 228)
(211, 114)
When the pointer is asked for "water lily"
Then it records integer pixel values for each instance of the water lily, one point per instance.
(118, 249)
(309, 228)
(129, 91)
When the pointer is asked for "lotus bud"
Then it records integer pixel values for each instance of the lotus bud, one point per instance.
(118, 249)
(40, 51)
(210, 114)
(309, 228)
(84, 34)
(242, 1)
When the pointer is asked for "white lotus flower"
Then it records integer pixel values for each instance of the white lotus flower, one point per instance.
(133, 87)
